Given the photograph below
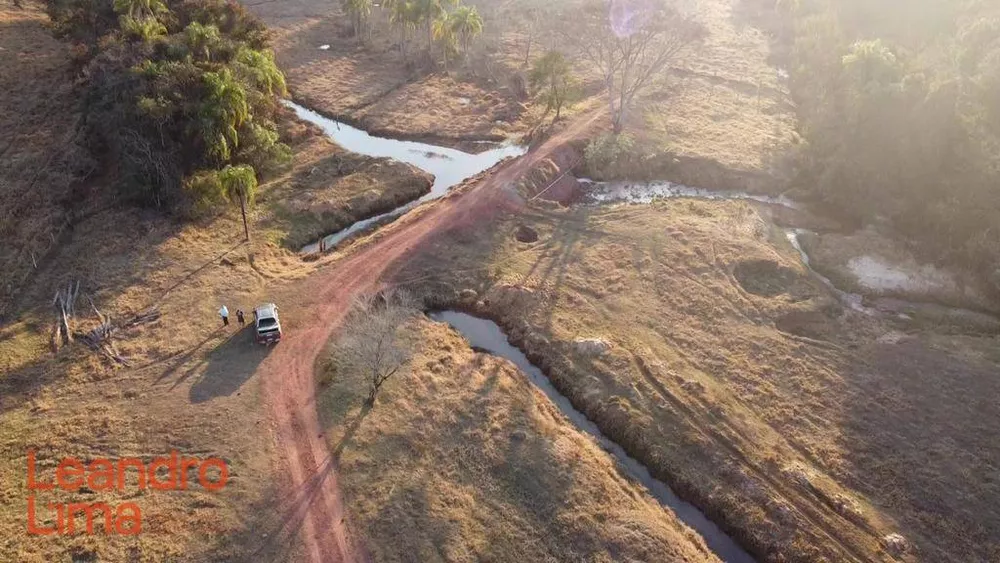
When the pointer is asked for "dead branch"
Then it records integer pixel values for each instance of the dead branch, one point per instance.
(101, 338)
(65, 304)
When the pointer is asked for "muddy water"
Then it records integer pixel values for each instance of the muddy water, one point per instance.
(449, 167)
(486, 335)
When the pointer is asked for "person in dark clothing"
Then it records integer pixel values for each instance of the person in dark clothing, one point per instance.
(240, 318)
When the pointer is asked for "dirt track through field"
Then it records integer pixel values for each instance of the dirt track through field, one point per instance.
(314, 509)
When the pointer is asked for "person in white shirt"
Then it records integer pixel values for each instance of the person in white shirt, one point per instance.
(224, 313)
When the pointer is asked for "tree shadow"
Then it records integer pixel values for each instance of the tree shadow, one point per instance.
(227, 367)
(518, 482)
(351, 430)
(268, 533)
(919, 440)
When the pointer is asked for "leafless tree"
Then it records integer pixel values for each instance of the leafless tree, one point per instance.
(631, 42)
(370, 343)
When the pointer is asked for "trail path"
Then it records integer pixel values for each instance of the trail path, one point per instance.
(314, 508)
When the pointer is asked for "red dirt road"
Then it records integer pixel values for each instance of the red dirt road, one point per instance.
(314, 508)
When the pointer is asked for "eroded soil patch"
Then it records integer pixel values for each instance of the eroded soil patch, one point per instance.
(766, 278)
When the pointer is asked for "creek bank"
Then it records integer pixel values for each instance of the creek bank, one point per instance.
(485, 335)
(501, 306)
(449, 167)
(854, 266)
(878, 267)
(327, 199)
(472, 142)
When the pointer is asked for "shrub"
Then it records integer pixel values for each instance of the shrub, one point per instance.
(609, 156)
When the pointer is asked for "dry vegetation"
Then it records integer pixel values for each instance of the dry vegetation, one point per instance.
(812, 431)
(462, 459)
(372, 86)
(331, 188)
(723, 106)
(188, 385)
(39, 161)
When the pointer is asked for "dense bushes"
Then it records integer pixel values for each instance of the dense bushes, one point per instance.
(900, 114)
(175, 92)
(610, 156)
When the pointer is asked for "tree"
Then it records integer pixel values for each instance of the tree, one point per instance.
(140, 9)
(404, 16)
(370, 344)
(631, 46)
(444, 34)
(175, 93)
(239, 184)
(202, 39)
(222, 112)
(427, 11)
(360, 12)
(550, 75)
(466, 23)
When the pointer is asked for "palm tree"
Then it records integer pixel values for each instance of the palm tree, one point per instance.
(466, 23)
(257, 68)
(201, 39)
(445, 35)
(138, 18)
(239, 184)
(140, 9)
(360, 12)
(223, 110)
(405, 15)
(428, 11)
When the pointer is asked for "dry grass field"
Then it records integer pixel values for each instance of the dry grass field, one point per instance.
(722, 103)
(462, 459)
(39, 159)
(188, 384)
(372, 86)
(812, 431)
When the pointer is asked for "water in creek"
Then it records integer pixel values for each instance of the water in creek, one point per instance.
(449, 167)
(640, 193)
(631, 192)
(487, 335)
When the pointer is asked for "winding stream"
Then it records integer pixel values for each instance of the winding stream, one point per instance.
(487, 335)
(450, 167)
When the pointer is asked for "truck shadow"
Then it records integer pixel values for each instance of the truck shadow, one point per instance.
(229, 366)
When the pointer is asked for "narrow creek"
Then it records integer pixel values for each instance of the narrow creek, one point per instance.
(449, 167)
(487, 335)
(605, 193)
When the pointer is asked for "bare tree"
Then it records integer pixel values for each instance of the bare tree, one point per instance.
(631, 42)
(370, 343)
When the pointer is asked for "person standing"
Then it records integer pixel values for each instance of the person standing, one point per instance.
(240, 318)
(224, 313)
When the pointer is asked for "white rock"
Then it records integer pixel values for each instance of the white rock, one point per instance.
(895, 544)
(591, 346)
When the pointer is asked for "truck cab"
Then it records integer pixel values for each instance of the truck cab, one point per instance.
(266, 324)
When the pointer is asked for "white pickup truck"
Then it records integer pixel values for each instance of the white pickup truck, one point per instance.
(266, 323)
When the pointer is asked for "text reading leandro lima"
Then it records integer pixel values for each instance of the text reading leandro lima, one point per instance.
(170, 473)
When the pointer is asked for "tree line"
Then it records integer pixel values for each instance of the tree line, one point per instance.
(447, 26)
(181, 95)
(899, 116)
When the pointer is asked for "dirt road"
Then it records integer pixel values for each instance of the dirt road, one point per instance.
(314, 509)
